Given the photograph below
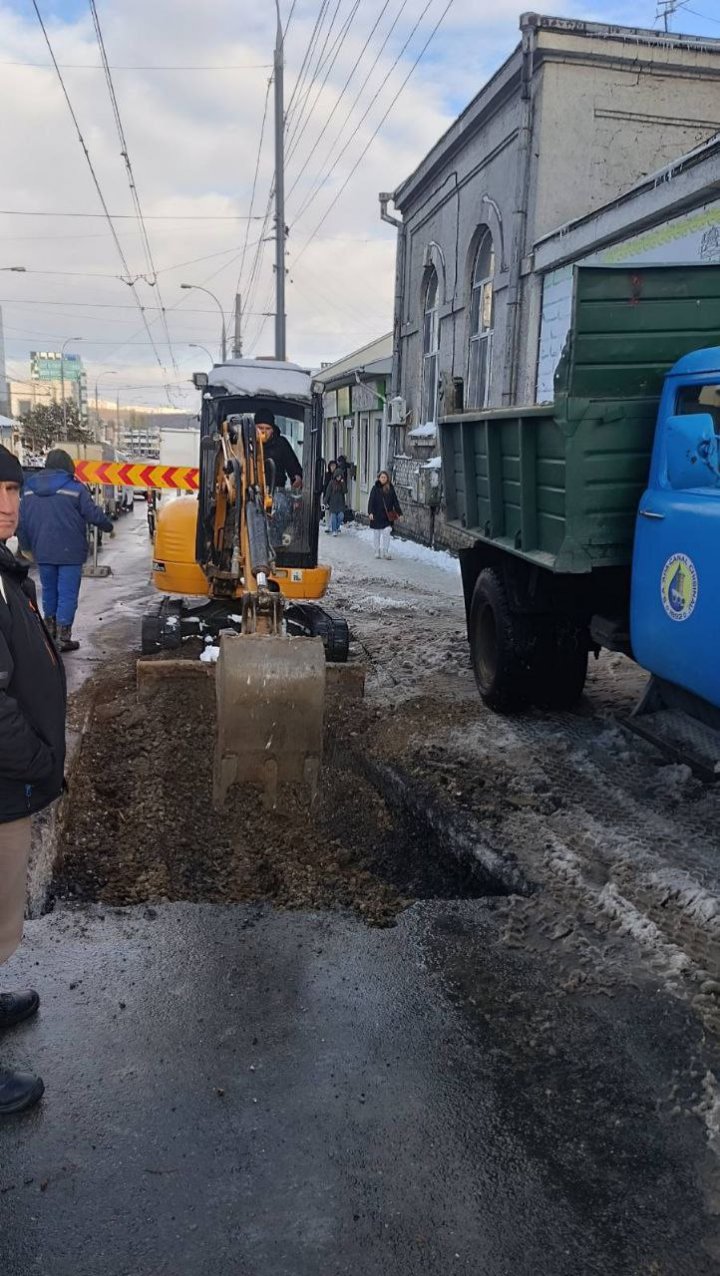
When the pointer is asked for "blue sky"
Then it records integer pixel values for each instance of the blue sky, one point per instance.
(193, 138)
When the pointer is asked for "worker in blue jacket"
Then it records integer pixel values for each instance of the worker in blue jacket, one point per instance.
(54, 515)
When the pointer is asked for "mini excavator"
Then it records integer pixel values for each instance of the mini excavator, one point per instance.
(238, 566)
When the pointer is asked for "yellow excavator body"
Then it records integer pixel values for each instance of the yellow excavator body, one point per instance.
(175, 570)
(249, 547)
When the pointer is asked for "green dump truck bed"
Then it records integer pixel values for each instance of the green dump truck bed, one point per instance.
(559, 484)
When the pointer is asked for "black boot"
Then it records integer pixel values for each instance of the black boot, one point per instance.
(65, 639)
(15, 1007)
(51, 626)
(18, 1091)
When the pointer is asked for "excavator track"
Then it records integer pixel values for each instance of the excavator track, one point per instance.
(313, 621)
(167, 625)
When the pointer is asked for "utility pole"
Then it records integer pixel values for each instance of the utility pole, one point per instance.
(237, 336)
(666, 10)
(280, 352)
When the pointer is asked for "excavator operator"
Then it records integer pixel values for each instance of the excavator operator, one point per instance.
(279, 450)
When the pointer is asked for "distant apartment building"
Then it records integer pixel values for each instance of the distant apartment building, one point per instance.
(48, 368)
(140, 435)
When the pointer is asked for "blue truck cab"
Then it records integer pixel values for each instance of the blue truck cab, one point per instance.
(675, 584)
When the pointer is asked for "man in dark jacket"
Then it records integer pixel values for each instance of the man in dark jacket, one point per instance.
(56, 510)
(32, 757)
(279, 450)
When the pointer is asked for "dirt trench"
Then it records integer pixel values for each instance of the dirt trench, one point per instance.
(141, 826)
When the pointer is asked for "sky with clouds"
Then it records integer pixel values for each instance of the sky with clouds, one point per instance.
(191, 82)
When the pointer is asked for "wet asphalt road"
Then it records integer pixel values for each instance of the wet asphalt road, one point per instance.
(232, 1090)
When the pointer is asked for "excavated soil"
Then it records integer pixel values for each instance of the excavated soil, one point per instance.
(142, 828)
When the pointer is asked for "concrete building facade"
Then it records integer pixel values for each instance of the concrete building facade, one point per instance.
(579, 115)
(355, 393)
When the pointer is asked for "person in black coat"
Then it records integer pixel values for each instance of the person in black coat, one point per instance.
(32, 757)
(334, 498)
(279, 450)
(383, 510)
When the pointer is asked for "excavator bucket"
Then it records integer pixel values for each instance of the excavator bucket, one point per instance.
(270, 701)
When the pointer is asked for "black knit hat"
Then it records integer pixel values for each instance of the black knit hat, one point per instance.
(58, 459)
(10, 467)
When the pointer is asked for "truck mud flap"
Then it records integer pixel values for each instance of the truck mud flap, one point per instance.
(682, 726)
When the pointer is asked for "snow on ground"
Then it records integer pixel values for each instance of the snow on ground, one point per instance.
(587, 809)
(401, 548)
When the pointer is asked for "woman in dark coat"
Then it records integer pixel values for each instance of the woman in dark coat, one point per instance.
(384, 510)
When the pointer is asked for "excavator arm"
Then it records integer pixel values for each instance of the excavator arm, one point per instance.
(270, 686)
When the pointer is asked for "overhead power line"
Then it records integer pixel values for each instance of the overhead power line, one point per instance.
(149, 217)
(96, 181)
(297, 106)
(152, 277)
(322, 179)
(248, 291)
(248, 288)
(308, 53)
(100, 305)
(349, 79)
(705, 17)
(289, 19)
(255, 178)
(304, 116)
(369, 143)
(97, 66)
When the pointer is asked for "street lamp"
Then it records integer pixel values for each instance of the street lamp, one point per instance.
(107, 372)
(194, 346)
(223, 332)
(62, 380)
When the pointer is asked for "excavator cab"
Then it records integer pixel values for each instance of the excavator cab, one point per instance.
(245, 555)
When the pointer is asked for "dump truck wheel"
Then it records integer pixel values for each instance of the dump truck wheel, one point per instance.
(498, 645)
(559, 670)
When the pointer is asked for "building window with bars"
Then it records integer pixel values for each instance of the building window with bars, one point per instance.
(481, 323)
(431, 347)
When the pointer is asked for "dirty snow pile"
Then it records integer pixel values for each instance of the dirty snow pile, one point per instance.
(401, 548)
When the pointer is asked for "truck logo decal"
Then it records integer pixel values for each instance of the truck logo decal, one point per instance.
(679, 587)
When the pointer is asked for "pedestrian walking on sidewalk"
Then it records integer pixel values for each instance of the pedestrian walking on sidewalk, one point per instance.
(384, 510)
(332, 466)
(32, 758)
(335, 494)
(55, 513)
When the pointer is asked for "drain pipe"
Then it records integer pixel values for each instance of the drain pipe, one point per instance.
(522, 194)
(386, 198)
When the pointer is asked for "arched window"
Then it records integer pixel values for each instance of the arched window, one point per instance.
(481, 323)
(431, 346)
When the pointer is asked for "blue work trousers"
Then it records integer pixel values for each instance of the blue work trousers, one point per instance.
(336, 521)
(60, 590)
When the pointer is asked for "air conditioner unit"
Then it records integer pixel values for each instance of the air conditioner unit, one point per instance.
(397, 411)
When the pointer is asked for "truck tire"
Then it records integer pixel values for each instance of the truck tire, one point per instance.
(559, 666)
(498, 645)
